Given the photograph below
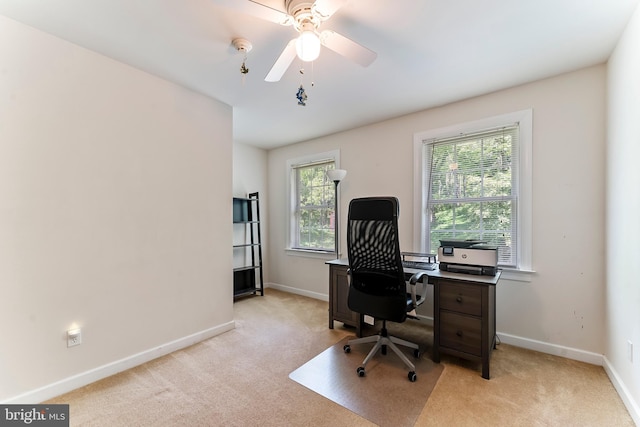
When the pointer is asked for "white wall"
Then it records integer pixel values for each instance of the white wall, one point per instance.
(563, 305)
(115, 213)
(249, 171)
(623, 212)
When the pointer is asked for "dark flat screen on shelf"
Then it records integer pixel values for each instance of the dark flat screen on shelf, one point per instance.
(241, 210)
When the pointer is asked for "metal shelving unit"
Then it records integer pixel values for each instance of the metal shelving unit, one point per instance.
(247, 278)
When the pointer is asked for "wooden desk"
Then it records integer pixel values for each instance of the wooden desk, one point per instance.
(464, 312)
(338, 293)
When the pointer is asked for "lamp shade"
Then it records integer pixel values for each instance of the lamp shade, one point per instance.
(336, 174)
(308, 46)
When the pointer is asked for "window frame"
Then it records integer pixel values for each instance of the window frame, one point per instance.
(292, 164)
(524, 206)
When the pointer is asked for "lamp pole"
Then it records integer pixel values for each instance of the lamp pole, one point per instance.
(336, 175)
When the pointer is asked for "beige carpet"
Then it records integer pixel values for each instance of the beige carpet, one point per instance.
(241, 378)
(384, 396)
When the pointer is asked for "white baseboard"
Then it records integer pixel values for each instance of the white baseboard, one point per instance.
(68, 384)
(428, 320)
(623, 392)
(554, 349)
(297, 291)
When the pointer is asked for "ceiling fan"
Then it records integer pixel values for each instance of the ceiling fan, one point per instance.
(306, 17)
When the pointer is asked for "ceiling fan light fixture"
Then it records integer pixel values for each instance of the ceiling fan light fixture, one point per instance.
(308, 46)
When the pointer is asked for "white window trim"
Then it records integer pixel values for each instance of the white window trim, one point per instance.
(291, 204)
(525, 211)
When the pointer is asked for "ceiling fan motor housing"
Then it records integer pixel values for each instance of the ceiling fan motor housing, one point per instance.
(303, 14)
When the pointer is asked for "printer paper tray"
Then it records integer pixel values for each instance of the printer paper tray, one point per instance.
(469, 269)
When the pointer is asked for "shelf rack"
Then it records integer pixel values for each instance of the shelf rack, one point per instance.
(247, 278)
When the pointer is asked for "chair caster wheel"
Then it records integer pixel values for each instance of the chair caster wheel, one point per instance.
(412, 377)
(360, 371)
(416, 354)
(347, 348)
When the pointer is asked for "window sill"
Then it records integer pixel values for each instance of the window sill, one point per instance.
(326, 255)
(517, 275)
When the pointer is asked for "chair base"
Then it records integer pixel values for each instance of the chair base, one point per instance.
(384, 341)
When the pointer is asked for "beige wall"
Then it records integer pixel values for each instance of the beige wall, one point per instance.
(115, 213)
(562, 306)
(249, 176)
(623, 211)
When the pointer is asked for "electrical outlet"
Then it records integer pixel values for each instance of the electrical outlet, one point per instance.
(630, 350)
(74, 337)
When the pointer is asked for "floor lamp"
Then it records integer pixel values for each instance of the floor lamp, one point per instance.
(337, 175)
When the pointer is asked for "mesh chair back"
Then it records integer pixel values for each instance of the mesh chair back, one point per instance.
(378, 286)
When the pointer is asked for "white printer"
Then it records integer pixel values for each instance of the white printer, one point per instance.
(468, 256)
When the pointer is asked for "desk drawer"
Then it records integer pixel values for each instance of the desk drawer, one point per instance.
(460, 332)
(461, 298)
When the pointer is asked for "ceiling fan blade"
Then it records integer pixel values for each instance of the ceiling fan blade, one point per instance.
(283, 62)
(326, 8)
(258, 10)
(347, 48)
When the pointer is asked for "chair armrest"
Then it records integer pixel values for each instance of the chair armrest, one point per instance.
(413, 281)
(416, 277)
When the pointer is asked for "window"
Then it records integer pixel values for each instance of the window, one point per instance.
(312, 198)
(475, 183)
(472, 190)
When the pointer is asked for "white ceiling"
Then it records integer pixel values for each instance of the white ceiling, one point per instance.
(430, 52)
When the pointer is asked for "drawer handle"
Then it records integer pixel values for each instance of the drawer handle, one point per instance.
(459, 299)
(459, 334)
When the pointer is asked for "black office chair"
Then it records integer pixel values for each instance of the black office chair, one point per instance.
(377, 281)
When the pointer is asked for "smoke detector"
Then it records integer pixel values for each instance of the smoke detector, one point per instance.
(242, 45)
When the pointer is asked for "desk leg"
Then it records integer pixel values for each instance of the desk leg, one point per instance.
(436, 337)
(436, 322)
(486, 357)
(485, 369)
(331, 295)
